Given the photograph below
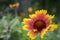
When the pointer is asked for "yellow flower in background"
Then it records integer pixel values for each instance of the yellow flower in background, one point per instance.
(11, 6)
(40, 22)
(14, 6)
(30, 9)
(17, 4)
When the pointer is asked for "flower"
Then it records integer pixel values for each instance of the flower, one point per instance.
(40, 22)
(14, 5)
(17, 4)
(11, 6)
(30, 9)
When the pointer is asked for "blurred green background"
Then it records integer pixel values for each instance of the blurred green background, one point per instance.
(11, 18)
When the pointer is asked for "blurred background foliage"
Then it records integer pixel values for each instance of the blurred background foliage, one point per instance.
(13, 11)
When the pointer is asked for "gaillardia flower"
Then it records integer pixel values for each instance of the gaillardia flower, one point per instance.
(40, 22)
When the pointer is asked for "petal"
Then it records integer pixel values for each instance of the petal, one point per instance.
(32, 15)
(47, 20)
(35, 30)
(32, 34)
(43, 32)
(52, 27)
(50, 16)
(41, 12)
(24, 20)
(26, 27)
(37, 12)
(27, 21)
(42, 16)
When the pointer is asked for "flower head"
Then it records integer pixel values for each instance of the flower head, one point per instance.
(11, 6)
(30, 9)
(40, 22)
(16, 5)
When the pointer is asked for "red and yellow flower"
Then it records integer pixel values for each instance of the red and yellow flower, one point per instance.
(40, 22)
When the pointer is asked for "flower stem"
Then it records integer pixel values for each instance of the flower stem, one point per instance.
(15, 12)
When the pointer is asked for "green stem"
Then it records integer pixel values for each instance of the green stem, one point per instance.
(15, 12)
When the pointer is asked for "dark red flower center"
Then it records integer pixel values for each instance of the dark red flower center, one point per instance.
(39, 25)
